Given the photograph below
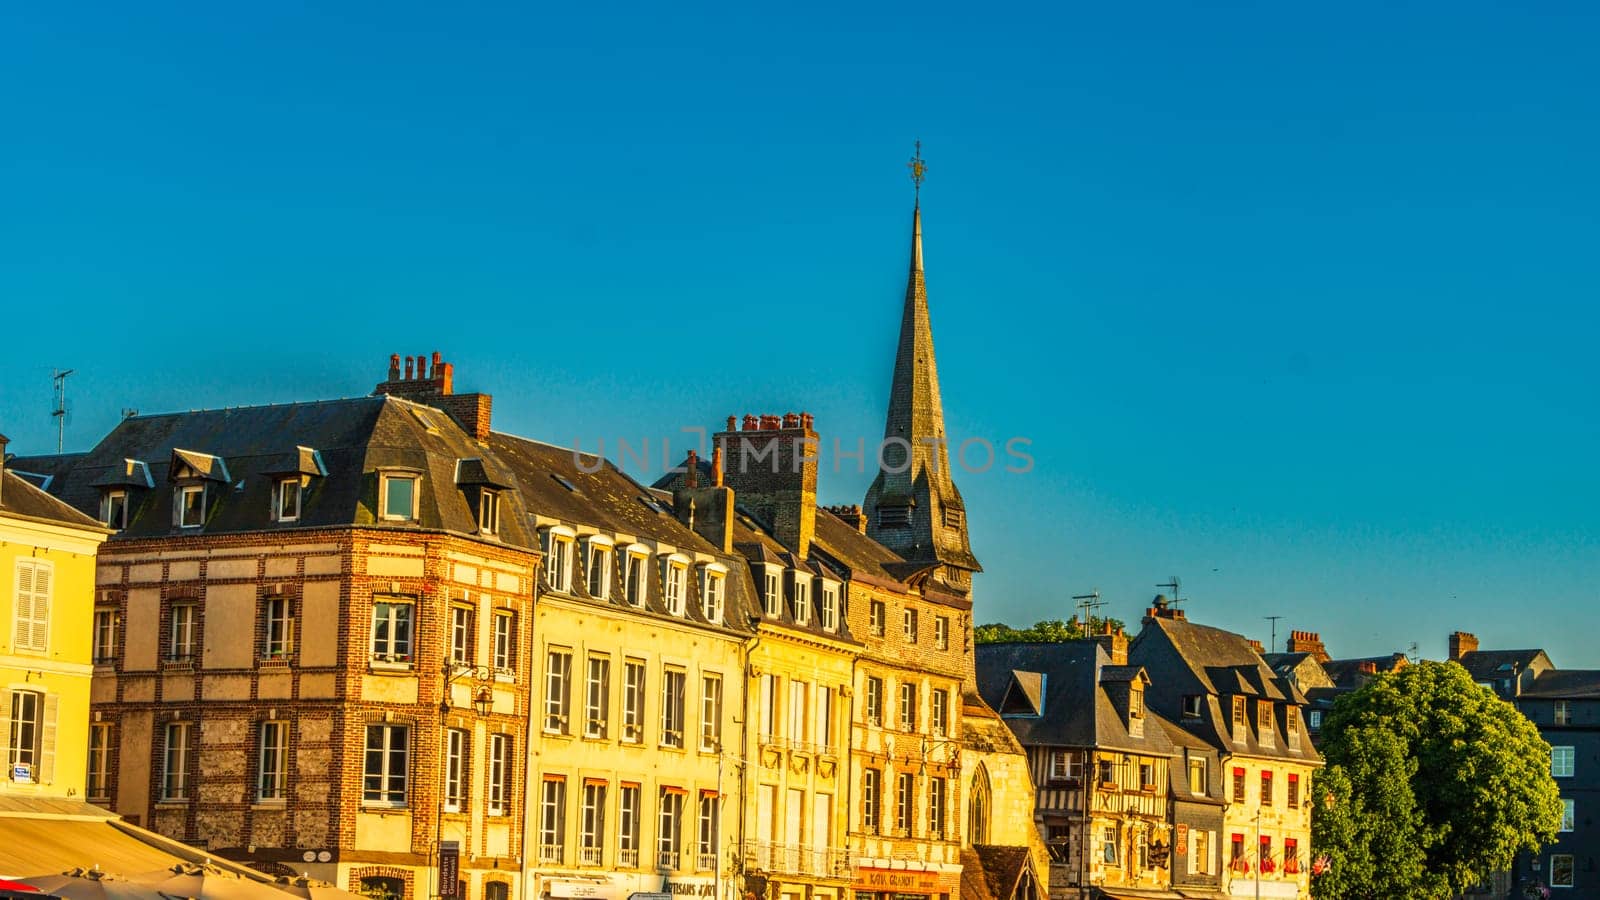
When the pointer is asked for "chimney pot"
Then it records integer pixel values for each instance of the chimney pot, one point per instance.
(791, 420)
(409, 363)
(691, 470)
(716, 460)
(394, 367)
(438, 364)
(733, 423)
(1462, 643)
(751, 423)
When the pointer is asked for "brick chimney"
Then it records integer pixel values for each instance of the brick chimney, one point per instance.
(1161, 608)
(432, 383)
(1368, 667)
(707, 509)
(771, 463)
(851, 515)
(1115, 643)
(1462, 643)
(1255, 645)
(1308, 642)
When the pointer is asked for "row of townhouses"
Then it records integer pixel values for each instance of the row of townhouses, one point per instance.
(1175, 765)
(379, 642)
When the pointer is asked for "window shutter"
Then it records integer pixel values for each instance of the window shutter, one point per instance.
(47, 741)
(5, 728)
(24, 610)
(41, 608)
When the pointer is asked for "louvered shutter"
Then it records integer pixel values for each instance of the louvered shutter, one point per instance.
(47, 741)
(41, 608)
(24, 610)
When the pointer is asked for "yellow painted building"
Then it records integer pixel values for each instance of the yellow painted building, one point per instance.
(47, 555)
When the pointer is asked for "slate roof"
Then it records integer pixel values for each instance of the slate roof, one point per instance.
(1183, 741)
(1224, 662)
(19, 497)
(1485, 665)
(839, 541)
(1003, 867)
(1077, 710)
(1347, 672)
(1565, 684)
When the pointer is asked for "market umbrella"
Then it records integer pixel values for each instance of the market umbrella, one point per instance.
(192, 881)
(89, 884)
(312, 889)
(17, 887)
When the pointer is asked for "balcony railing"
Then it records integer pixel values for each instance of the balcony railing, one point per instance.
(550, 853)
(588, 856)
(797, 859)
(628, 859)
(667, 859)
(706, 862)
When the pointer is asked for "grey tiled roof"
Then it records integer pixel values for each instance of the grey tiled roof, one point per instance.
(1565, 684)
(19, 497)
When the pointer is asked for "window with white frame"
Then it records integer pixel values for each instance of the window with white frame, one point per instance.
(802, 599)
(505, 641)
(824, 718)
(772, 595)
(26, 739)
(106, 622)
(940, 713)
(668, 831)
(386, 769)
(597, 697)
(181, 631)
(552, 819)
(391, 630)
(500, 769)
(1291, 720)
(1197, 778)
(397, 494)
(767, 710)
(799, 726)
(1561, 760)
(557, 690)
(908, 706)
(1561, 714)
(711, 713)
(908, 624)
(871, 800)
(99, 782)
(31, 628)
(114, 509)
(874, 703)
(1191, 705)
(713, 590)
(1561, 870)
(672, 707)
(941, 633)
(286, 500)
(1065, 765)
(877, 618)
(191, 502)
(675, 583)
(830, 606)
(278, 636)
(488, 511)
(706, 847)
(633, 579)
(599, 567)
(558, 548)
(272, 766)
(936, 807)
(175, 762)
(463, 635)
(1569, 813)
(633, 687)
(905, 795)
(457, 750)
(1264, 730)
(628, 817)
(592, 834)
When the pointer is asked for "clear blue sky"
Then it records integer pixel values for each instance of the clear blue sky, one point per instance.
(1296, 303)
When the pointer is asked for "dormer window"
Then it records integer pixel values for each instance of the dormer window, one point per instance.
(1135, 702)
(191, 500)
(675, 583)
(774, 593)
(286, 505)
(598, 566)
(488, 511)
(633, 562)
(713, 587)
(830, 606)
(1264, 732)
(1292, 726)
(114, 509)
(558, 548)
(1192, 706)
(397, 494)
(1240, 725)
(802, 599)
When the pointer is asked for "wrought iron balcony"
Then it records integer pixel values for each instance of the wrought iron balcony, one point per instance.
(797, 859)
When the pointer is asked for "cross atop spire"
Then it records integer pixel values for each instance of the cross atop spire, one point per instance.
(919, 169)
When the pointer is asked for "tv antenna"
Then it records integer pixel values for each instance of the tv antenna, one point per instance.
(1174, 583)
(1273, 647)
(59, 410)
(1088, 603)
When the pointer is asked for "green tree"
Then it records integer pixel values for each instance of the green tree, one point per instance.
(1432, 784)
(1049, 631)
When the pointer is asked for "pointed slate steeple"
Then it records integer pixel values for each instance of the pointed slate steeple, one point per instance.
(913, 506)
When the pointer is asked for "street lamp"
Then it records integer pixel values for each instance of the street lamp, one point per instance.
(482, 686)
(930, 745)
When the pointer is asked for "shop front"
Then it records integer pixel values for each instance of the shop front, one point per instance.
(900, 881)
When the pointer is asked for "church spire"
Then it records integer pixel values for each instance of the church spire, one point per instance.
(913, 506)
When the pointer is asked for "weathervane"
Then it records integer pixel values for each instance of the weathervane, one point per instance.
(918, 169)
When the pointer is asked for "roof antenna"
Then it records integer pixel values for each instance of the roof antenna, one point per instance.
(1088, 603)
(1273, 647)
(1174, 584)
(59, 410)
